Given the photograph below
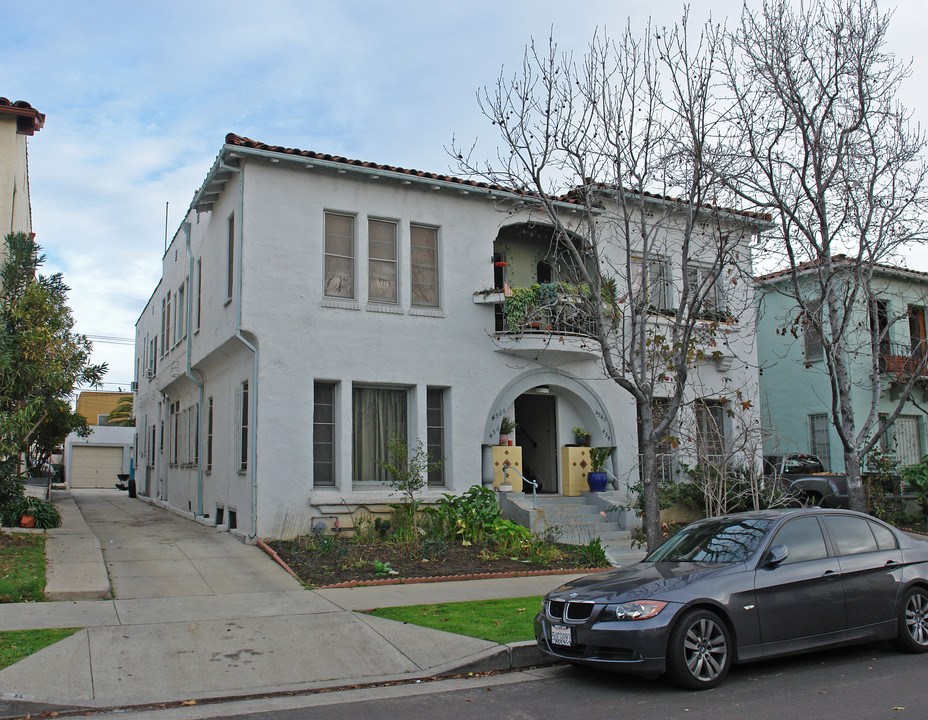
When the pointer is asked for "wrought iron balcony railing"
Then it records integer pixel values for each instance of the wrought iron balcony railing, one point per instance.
(902, 359)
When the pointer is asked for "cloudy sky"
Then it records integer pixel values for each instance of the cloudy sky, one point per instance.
(139, 97)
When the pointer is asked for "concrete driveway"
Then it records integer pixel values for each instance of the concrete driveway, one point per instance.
(153, 553)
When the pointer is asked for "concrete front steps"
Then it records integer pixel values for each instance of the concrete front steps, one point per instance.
(576, 520)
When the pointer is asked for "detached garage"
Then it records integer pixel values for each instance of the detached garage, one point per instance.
(94, 467)
(96, 460)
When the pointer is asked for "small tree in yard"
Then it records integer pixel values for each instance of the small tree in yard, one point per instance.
(824, 142)
(409, 473)
(41, 360)
(59, 422)
(621, 151)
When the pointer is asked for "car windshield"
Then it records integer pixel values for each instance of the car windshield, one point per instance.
(726, 540)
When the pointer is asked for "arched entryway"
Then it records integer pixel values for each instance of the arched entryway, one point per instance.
(547, 404)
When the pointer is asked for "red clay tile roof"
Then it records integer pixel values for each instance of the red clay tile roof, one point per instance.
(28, 119)
(573, 197)
(238, 140)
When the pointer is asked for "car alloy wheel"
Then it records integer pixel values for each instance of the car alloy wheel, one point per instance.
(699, 652)
(913, 622)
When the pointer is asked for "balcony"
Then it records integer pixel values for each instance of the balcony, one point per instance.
(904, 360)
(542, 322)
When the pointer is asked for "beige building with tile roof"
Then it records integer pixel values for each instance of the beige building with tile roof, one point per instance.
(18, 120)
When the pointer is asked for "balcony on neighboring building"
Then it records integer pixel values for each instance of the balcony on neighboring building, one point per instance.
(904, 359)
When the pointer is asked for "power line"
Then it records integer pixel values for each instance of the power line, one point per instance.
(111, 339)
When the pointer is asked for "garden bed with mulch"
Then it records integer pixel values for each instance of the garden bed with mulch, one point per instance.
(345, 562)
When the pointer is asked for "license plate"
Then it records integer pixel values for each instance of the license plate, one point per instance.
(560, 635)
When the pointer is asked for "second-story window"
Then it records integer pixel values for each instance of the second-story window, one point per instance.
(169, 339)
(702, 285)
(424, 265)
(199, 289)
(164, 316)
(181, 313)
(230, 258)
(650, 282)
(812, 333)
(339, 255)
(382, 261)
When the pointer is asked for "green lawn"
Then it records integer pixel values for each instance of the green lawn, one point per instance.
(22, 567)
(17, 644)
(501, 621)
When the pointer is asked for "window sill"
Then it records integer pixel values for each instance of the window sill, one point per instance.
(426, 312)
(368, 493)
(341, 304)
(388, 309)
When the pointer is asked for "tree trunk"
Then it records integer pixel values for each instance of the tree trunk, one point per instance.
(857, 498)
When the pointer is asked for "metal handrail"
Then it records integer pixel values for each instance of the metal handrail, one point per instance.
(507, 468)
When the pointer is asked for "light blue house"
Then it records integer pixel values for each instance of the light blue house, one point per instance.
(795, 389)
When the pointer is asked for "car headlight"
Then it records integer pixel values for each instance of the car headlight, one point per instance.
(637, 610)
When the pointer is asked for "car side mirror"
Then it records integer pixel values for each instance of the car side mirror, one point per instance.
(777, 554)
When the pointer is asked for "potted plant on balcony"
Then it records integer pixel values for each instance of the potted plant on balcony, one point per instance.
(581, 436)
(506, 426)
(597, 478)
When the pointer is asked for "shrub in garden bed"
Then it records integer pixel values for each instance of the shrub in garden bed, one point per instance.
(461, 535)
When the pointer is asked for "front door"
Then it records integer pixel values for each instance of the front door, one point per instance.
(537, 434)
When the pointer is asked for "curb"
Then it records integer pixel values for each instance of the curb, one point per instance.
(511, 656)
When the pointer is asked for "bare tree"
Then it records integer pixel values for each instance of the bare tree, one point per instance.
(830, 150)
(631, 137)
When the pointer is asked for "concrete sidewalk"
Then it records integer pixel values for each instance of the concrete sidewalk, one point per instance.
(196, 614)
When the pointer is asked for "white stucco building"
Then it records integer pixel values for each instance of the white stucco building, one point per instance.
(310, 306)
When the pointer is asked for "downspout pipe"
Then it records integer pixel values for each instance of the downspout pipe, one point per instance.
(253, 385)
(188, 369)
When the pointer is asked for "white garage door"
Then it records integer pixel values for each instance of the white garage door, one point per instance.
(95, 467)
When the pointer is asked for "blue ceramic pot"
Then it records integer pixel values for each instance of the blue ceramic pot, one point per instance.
(597, 481)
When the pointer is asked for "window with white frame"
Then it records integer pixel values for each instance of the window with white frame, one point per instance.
(324, 434)
(650, 282)
(241, 427)
(377, 415)
(199, 290)
(339, 255)
(382, 265)
(172, 430)
(181, 320)
(209, 435)
(703, 284)
(903, 439)
(820, 439)
(424, 265)
(813, 348)
(167, 329)
(435, 422)
(710, 431)
(230, 258)
(666, 456)
(163, 324)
